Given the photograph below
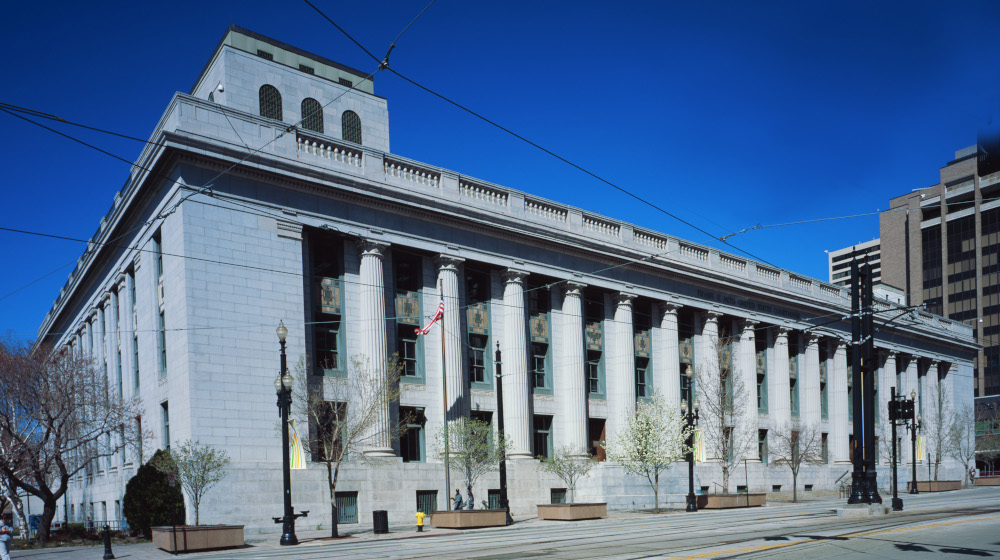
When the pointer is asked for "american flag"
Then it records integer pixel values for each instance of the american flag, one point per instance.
(437, 317)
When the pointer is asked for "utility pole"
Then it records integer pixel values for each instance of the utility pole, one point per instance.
(864, 485)
(504, 503)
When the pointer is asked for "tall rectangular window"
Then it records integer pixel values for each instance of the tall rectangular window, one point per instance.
(325, 288)
(477, 359)
(134, 321)
(642, 347)
(824, 448)
(539, 300)
(543, 436)
(162, 331)
(642, 389)
(930, 242)
(762, 445)
(793, 373)
(593, 312)
(477, 301)
(540, 366)
(760, 344)
(823, 376)
(407, 272)
(165, 423)
(411, 440)
(961, 272)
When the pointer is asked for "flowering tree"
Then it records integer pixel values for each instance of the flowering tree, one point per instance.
(652, 439)
(794, 445)
(569, 466)
(473, 448)
(198, 468)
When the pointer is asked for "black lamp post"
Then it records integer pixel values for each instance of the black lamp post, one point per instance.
(895, 403)
(914, 427)
(504, 502)
(283, 387)
(691, 418)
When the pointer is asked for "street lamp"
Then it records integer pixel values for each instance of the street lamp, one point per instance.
(691, 419)
(283, 387)
(914, 426)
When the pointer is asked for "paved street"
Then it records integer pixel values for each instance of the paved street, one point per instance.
(955, 524)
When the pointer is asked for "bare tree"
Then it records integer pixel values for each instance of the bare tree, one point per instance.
(654, 438)
(795, 445)
(724, 398)
(962, 439)
(58, 416)
(569, 466)
(8, 486)
(988, 444)
(346, 415)
(937, 422)
(884, 429)
(474, 449)
(198, 468)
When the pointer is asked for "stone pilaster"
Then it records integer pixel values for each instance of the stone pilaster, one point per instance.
(779, 405)
(516, 376)
(747, 371)
(809, 406)
(667, 358)
(570, 375)
(455, 384)
(839, 424)
(374, 348)
(621, 367)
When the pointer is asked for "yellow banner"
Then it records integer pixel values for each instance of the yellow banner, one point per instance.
(920, 447)
(296, 453)
(699, 447)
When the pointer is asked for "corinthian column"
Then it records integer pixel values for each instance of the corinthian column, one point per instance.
(452, 339)
(515, 366)
(779, 403)
(570, 377)
(621, 366)
(839, 423)
(373, 338)
(809, 410)
(747, 360)
(708, 372)
(667, 359)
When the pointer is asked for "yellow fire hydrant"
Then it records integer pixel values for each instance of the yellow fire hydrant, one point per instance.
(420, 520)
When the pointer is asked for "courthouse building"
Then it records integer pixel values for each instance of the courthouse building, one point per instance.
(208, 246)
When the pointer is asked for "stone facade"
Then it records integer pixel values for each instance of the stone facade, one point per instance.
(591, 313)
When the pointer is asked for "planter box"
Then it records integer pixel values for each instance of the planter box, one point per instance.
(197, 537)
(572, 512)
(467, 519)
(935, 485)
(991, 481)
(723, 501)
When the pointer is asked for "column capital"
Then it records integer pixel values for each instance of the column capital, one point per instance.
(574, 289)
(812, 338)
(669, 307)
(712, 316)
(750, 324)
(625, 299)
(372, 247)
(841, 344)
(448, 262)
(513, 275)
(120, 280)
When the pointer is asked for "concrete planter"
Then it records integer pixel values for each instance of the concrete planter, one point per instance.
(467, 519)
(188, 538)
(572, 512)
(992, 481)
(724, 501)
(935, 485)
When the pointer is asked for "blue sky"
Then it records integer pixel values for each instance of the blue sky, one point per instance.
(727, 114)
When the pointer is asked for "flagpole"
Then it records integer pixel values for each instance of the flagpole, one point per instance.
(444, 396)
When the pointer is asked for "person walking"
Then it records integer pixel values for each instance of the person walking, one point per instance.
(458, 500)
(6, 534)
(471, 500)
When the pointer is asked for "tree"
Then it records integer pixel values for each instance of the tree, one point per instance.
(653, 439)
(962, 439)
(569, 466)
(346, 415)
(794, 445)
(724, 401)
(197, 467)
(988, 444)
(938, 422)
(150, 500)
(884, 429)
(59, 417)
(474, 449)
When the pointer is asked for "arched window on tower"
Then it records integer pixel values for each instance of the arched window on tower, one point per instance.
(312, 115)
(350, 123)
(270, 102)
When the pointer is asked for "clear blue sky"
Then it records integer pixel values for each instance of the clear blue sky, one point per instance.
(728, 114)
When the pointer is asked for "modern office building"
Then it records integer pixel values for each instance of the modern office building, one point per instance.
(840, 262)
(941, 243)
(319, 225)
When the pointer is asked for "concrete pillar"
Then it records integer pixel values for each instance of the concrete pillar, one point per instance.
(779, 405)
(570, 375)
(746, 369)
(839, 424)
(708, 369)
(451, 336)
(886, 380)
(373, 338)
(809, 406)
(909, 385)
(621, 368)
(516, 378)
(667, 359)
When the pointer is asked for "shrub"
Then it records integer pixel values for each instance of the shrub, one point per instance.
(150, 501)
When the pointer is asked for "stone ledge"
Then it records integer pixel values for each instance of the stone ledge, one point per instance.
(186, 538)
(935, 485)
(468, 519)
(572, 512)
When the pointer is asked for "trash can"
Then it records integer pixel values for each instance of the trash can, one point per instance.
(380, 521)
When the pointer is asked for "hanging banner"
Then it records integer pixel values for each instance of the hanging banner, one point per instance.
(920, 446)
(699, 447)
(296, 453)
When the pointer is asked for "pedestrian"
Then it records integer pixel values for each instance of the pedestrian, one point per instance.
(458, 500)
(471, 500)
(6, 534)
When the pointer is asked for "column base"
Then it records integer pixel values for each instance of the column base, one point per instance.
(519, 455)
(379, 452)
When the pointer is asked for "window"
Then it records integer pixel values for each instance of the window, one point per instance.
(593, 312)
(130, 286)
(265, 55)
(138, 443)
(345, 82)
(312, 115)
(162, 329)
(158, 258)
(408, 283)
(824, 448)
(406, 341)
(793, 395)
(165, 421)
(557, 496)
(477, 358)
(539, 365)
(543, 436)
(642, 390)
(328, 430)
(493, 495)
(427, 501)
(762, 445)
(477, 297)
(539, 309)
(823, 401)
(270, 102)
(307, 69)
(594, 373)
(326, 304)
(411, 440)
(350, 124)
(347, 507)
(760, 343)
